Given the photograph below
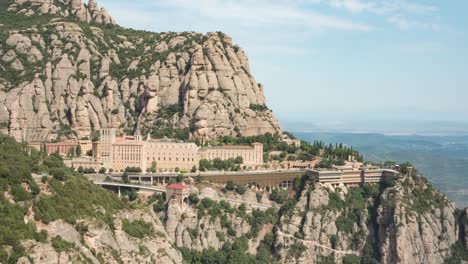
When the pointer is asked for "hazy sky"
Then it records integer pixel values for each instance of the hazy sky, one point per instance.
(335, 59)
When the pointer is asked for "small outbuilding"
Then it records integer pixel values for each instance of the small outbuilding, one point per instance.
(178, 193)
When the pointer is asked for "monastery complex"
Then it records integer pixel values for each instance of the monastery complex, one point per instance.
(119, 153)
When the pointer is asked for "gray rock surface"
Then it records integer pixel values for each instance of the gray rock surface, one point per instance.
(88, 78)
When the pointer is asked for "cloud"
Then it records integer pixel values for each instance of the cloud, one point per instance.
(266, 12)
(405, 23)
(381, 7)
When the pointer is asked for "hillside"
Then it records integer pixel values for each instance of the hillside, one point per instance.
(66, 69)
(64, 218)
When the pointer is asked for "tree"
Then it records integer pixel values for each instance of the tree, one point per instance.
(80, 169)
(125, 177)
(240, 189)
(71, 152)
(204, 165)
(78, 150)
(230, 186)
(102, 170)
(133, 195)
(351, 259)
(193, 198)
(153, 167)
(89, 153)
(194, 169)
(239, 160)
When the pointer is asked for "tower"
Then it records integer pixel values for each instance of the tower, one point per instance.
(107, 138)
(137, 135)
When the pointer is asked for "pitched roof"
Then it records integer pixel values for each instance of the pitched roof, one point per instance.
(176, 186)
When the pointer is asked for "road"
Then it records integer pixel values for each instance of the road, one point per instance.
(315, 243)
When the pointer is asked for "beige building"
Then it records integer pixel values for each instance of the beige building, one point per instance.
(86, 145)
(119, 153)
(170, 154)
(352, 177)
(128, 153)
(252, 155)
(62, 148)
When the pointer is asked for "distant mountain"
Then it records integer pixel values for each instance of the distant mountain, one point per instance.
(442, 159)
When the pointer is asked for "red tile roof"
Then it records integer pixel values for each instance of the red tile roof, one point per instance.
(177, 186)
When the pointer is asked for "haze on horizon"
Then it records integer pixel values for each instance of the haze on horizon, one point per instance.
(335, 60)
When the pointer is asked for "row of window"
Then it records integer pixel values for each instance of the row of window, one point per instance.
(170, 159)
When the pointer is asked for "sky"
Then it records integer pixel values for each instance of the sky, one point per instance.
(335, 60)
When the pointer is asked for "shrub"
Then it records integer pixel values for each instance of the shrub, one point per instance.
(59, 174)
(296, 250)
(61, 245)
(193, 198)
(230, 186)
(240, 189)
(19, 193)
(138, 228)
(76, 198)
(279, 195)
(351, 259)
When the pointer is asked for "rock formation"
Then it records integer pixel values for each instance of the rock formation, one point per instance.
(68, 8)
(408, 223)
(83, 76)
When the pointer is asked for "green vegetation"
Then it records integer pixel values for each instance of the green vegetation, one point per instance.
(423, 199)
(258, 108)
(75, 199)
(159, 202)
(459, 254)
(193, 199)
(169, 132)
(15, 172)
(72, 197)
(61, 245)
(169, 111)
(326, 260)
(231, 253)
(333, 154)
(230, 186)
(296, 250)
(219, 164)
(279, 195)
(133, 169)
(138, 228)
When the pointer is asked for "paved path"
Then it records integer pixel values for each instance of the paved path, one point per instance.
(143, 187)
(253, 205)
(315, 243)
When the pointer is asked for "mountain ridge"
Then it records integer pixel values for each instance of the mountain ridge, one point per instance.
(77, 76)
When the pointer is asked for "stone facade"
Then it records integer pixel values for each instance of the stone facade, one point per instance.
(169, 154)
(252, 156)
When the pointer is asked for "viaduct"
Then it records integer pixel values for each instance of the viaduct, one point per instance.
(277, 178)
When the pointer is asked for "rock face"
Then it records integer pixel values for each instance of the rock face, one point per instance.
(407, 223)
(67, 76)
(112, 246)
(76, 8)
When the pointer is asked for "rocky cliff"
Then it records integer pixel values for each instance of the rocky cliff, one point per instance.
(67, 69)
(407, 223)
